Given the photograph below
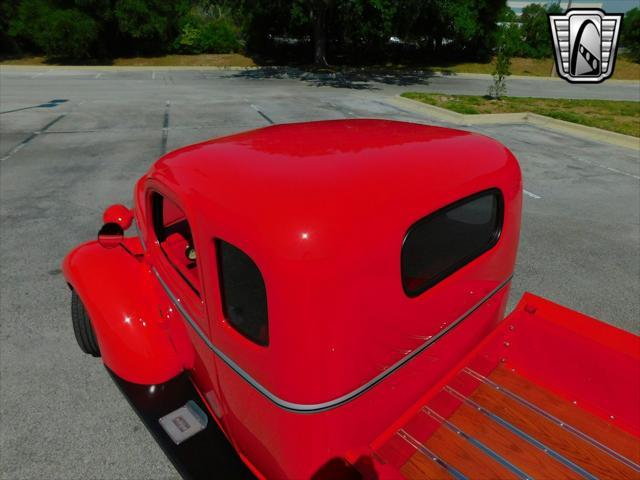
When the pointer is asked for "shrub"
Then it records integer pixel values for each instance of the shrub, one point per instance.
(149, 26)
(66, 33)
(140, 20)
(500, 73)
(71, 34)
(208, 35)
(631, 33)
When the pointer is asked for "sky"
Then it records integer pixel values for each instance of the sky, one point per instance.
(609, 6)
(619, 6)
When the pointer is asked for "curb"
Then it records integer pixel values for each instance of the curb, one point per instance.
(581, 131)
(444, 73)
(430, 73)
(98, 68)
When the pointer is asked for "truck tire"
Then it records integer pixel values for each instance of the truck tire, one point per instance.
(82, 327)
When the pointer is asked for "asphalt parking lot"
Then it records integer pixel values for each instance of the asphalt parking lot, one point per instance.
(62, 163)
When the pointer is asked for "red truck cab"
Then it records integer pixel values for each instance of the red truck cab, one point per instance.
(309, 292)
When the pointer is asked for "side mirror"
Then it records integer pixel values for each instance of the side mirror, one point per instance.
(117, 218)
(118, 214)
(110, 235)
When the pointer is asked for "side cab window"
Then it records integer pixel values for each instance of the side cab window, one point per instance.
(244, 295)
(176, 242)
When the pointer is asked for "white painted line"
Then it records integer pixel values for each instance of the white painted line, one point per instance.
(622, 173)
(532, 195)
(40, 74)
(611, 169)
(16, 149)
(98, 75)
(255, 107)
(153, 76)
(22, 144)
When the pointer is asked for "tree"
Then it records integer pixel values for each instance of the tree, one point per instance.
(535, 29)
(449, 28)
(151, 24)
(365, 26)
(631, 33)
(508, 44)
(8, 43)
(58, 32)
(318, 15)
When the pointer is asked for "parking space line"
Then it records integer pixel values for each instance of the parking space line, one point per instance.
(165, 128)
(33, 135)
(611, 169)
(262, 114)
(615, 170)
(532, 195)
(40, 74)
(98, 75)
(346, 113)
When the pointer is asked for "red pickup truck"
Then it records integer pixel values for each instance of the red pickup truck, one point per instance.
(326, 300)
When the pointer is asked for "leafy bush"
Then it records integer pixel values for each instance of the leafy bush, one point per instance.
(219, 35)
(66, 33)
(501, 71)
(150, 25)
(71, 34)
(631, 33)
(210, 27)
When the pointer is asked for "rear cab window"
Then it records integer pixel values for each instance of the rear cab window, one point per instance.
(445, 241)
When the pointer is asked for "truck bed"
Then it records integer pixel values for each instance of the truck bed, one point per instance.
(550, 394)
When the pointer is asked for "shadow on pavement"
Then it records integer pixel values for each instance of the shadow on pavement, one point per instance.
(355, 79)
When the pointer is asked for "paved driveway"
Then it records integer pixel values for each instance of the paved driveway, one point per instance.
(62, 163)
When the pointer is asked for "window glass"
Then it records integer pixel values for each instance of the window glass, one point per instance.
(244, 295)
(445, 241)
(174, 234)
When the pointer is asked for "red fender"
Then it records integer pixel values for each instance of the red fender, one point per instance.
(120, 293)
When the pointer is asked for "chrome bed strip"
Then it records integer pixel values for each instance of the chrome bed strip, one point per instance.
(522, 434)
(478, 444)
(402, 433)
(561, 423)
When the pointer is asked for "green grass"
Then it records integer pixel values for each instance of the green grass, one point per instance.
(625, 69)
(616, 116)
(202, 60)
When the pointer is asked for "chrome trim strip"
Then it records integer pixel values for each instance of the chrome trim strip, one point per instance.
(478, 444)
(532, 406)
(402, 433)
(319, 407)
(525, 436)
(139, 235)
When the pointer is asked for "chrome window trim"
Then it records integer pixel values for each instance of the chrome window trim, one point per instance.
(323, 406)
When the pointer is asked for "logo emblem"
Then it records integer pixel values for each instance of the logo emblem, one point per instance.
(585, 43)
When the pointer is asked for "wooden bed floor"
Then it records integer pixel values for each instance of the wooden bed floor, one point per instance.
(510, 428)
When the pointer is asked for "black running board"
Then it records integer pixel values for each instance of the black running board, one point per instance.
(206, 455)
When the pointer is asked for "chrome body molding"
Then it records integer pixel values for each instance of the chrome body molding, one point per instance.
(336, 402)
